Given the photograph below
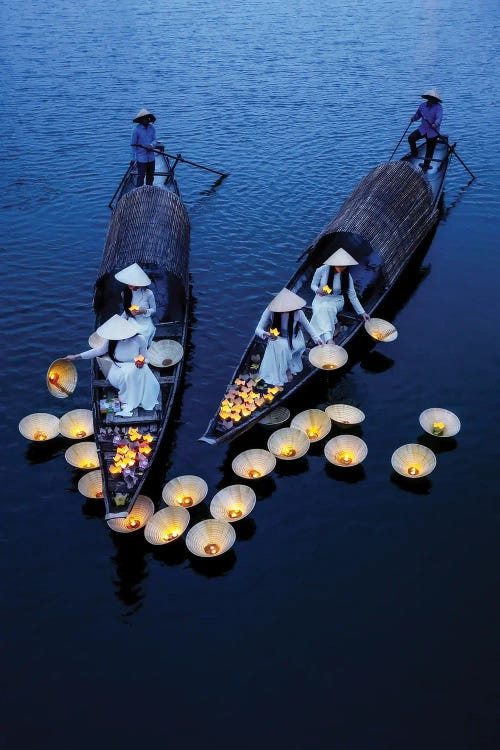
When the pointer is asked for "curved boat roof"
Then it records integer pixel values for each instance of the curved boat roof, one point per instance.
(149, 225)
(392, 208)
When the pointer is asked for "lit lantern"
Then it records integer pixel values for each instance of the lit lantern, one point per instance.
(61, 378)
(166, 525)
(345, 414)
(139, 361)
(90, 485)
(82, 456)
(233, 502)
(439, 422)
(328, 356)
(346, 450)
(145, 449)
(134, 308)
(274, 332)
(114, 469)
(314, 422)
(76, 424)
(381, 330)
(210, 538)
(132, 522)
(138, 516)
(326, 289)
(288, 443)
(148, 438)
(184, 491)
(268, 398)
(413, 460)
(254, 463)
(274, 389)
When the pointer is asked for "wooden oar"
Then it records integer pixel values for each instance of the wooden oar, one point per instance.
(399, 143)
(179, 157)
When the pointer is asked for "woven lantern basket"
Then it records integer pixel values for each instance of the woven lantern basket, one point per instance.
(138, 517)
(233, 503)
(439, 422)
(346, 450)
(253, 464)
(77, 424)
(210, 538)
(90, 485)
(39, 427)
(314, 422)
(165, 353)
(328, 356)
(278, 416)
(288, 443)
(185, 491)
(344, 414)
(413, 461)
(381, 330)
(61, 378)
(166, 526)
(82, 456)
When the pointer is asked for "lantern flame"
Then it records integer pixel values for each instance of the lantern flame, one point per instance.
(413, 471)
(327, 289)
(80, 433)
(39, 435)
(171, 535)
(234, 512)
(211, 549)
(274, 331)
(344, 457)
(185, 501)
(288, 451)
(132, 523)
(254, 474)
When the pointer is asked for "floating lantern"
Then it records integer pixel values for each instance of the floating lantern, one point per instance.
(344, 414)
(381, 330)
(254, 463)
(233, 503)
(139, 360)
(439, 422)
(413, 461)
(62, 378)
(328, 357)
(137, 517)
(288, 443)
(167, 525)
(82, 456)
(314, 422)
(90, 485)
(184, 491)
(96, 341)
(76, 424)
(210, 538)
(346, 450)
(39, 427)
(165, 353)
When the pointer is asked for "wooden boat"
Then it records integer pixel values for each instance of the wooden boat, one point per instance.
(149, 226)
(382, 224)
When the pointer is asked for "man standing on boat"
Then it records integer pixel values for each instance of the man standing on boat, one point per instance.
(430, 113)
(143, 140)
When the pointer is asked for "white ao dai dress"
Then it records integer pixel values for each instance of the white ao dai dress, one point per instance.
(279, 358)
(136, 386)
(326, 308)
(144, 298)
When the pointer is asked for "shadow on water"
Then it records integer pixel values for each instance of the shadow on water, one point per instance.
(437, 444)
(415, 486)
(348, 475)
(40, 453)
(376, 362)
(245, 529)
(171, 554)
(213, 567)
(131, 569)
(292, 468)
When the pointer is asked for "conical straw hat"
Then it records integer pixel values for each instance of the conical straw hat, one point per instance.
(432, 92)
(117, 328)
(341, 258)
(286, 301)
(144, 113)
(133, 275)
(61, 378)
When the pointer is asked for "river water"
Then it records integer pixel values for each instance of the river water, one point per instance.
(355, 611)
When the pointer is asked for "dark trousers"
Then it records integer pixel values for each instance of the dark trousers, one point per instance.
(145, 169)
(429, 146)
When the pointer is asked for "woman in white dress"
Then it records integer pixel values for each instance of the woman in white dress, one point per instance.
(134, 381)
(281, 325)
(138, 301)
(331, 283)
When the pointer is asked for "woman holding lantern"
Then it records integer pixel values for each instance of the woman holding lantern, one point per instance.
(129, 372)
(138, 301)
(331, 283)
(281, 325)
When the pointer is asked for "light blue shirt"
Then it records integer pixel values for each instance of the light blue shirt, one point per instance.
(143, 136)
(431, 116)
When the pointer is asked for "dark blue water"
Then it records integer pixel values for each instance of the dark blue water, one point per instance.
(354, 612)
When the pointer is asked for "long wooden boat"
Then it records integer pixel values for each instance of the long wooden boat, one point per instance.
(149, 226)
(382, 224)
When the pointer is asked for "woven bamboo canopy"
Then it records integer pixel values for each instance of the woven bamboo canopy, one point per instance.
(392, 209)
(148, 226)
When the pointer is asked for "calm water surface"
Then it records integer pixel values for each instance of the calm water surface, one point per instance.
(354, 612)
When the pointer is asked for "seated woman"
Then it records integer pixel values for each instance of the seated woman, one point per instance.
(136, 384)
(281, 324)
(331, 283)
(138, 301)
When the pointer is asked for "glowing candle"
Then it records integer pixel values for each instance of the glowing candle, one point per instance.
(88, 465)
(438, 428)
(329, 366)
(274, 332)
(344, 457)
(312, 433)
(139, 361)
(274, 389)
(134, 308)
(79, 433)
(171, 535)
(148, 438)
(53, 376)
(145, 449)
(99, 493)
(185, 501)
(211, 549)
(254, 474)
(234, 513)
(327, 289)
(114, 469)
(413, 471)
(39, 435)
(288, 451)
(132, 523)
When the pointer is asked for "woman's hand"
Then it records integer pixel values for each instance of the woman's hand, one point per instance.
(365, 316)
(319, 342)
(72, 356)
(321, 292)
